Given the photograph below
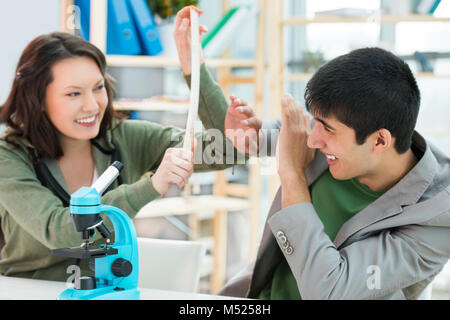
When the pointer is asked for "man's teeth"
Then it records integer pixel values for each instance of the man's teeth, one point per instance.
(87, 120)
(331, 157)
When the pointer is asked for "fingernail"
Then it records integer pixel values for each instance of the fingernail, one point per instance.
(240, 109)
(245, 122)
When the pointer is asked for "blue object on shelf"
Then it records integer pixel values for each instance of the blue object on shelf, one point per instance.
(134, 115)
(122, 37)
(146, 27)
(83, 16)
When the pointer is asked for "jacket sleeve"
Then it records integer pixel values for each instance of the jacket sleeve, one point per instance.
(377, 266)
(42, 214)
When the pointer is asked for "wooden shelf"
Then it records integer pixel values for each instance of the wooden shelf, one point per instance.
(155, 61)
(292, 77)
(149, 105)
(371, 19)
(192, 204)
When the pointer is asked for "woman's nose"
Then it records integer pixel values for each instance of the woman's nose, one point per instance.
(90, 103)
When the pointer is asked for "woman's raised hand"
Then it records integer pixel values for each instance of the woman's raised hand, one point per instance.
(182, 37)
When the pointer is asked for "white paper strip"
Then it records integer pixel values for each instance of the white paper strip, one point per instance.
(195, 83)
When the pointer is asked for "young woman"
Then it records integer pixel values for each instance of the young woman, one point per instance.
(61, 134)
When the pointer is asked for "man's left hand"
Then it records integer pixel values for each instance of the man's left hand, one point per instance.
(293, 153)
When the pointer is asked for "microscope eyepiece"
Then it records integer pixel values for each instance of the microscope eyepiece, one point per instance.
(118, 165)
(110, 174)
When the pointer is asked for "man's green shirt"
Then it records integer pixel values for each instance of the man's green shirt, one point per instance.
(335, 201)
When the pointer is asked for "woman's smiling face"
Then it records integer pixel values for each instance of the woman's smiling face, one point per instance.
(76, 99)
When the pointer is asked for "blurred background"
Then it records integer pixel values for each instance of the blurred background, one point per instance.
(254, 59)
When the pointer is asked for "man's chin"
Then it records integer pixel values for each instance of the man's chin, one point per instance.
(339, 174)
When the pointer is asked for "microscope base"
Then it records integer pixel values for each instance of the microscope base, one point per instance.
(104, 293)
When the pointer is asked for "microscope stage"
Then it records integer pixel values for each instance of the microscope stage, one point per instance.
(84, 253)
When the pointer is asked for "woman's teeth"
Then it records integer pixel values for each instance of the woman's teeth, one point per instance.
(331, 157)
(87, 120)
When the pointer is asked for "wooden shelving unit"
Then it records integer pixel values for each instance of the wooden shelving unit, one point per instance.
(306, 76)
(227, 196)
(159, 62)
(371, 19)
(150, 105)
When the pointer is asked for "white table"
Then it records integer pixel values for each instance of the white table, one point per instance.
(28, 289)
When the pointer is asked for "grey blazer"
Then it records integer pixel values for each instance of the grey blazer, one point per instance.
(390, 250)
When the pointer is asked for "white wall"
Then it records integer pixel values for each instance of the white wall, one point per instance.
(20, 22)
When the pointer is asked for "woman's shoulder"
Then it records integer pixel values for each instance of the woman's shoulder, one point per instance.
(13, 154)
(13, 145)
(125, 129)
(126, 125)
(136, 134)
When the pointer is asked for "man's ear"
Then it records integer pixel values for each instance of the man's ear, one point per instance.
(382, 140)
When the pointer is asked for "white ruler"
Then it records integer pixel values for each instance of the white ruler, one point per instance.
(195, 83)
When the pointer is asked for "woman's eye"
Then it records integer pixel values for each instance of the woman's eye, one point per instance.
(100, 87)
(73, 94)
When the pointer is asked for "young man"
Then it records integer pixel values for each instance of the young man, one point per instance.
(363, 211)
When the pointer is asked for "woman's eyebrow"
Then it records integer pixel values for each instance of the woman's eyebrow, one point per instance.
(76, 87)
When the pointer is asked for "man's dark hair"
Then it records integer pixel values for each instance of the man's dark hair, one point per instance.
(367, 90)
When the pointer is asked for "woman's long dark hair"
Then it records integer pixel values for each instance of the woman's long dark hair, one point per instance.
(24, 112)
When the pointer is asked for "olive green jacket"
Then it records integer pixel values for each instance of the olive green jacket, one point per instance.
(34, 220)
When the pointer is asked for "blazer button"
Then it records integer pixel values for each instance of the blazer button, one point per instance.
(289, 250)
(280, 234)
(285, 245)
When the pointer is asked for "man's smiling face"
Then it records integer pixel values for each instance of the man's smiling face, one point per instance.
(338, 143)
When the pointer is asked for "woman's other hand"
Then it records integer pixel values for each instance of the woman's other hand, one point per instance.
(242, 126)
(176, 167)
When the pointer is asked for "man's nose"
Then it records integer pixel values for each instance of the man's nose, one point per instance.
(314, 139)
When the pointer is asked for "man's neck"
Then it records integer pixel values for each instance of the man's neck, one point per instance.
(390, 171)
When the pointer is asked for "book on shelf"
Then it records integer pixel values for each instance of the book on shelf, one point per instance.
(427, 6)
(83, 17)
(424, 62)
(226, 30)
(347, 13)
(121, 34)
(146, 27)
(131, 29)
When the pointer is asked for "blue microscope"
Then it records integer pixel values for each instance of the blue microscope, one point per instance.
(116, 265)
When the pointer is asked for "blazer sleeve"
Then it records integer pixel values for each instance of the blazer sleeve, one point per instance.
(377, 266)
